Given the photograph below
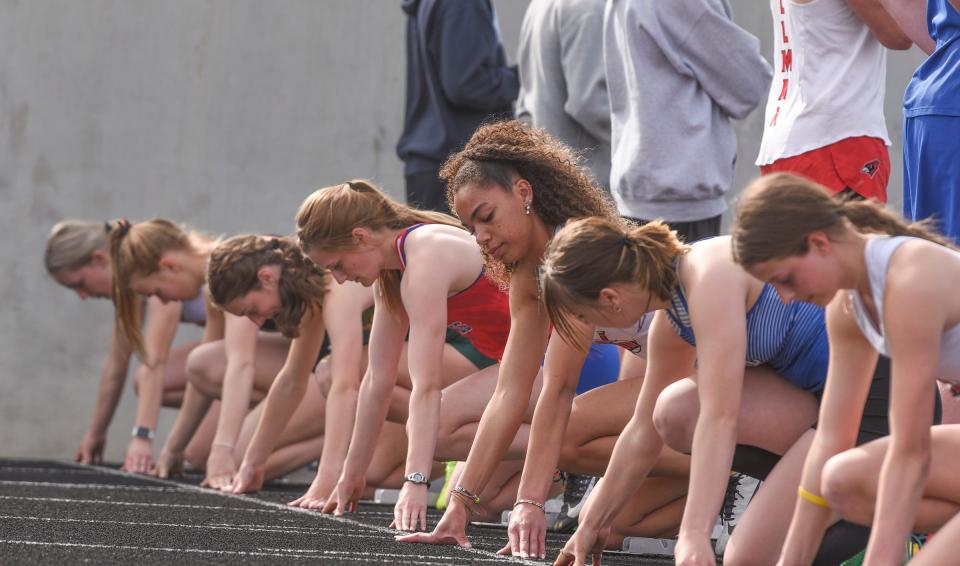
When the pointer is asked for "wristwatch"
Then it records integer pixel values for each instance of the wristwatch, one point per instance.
(418, 479)
(142, 432)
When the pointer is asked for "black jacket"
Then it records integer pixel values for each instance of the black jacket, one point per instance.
(457, 77)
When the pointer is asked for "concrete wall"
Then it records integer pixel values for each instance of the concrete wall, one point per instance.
(220, 113)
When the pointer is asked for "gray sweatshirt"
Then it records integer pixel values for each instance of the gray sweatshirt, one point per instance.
(678, 73)
(562, 84)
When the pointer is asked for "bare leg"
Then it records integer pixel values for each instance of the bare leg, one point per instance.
(388, 457)
(455, 367)
(654, 510)
(762, 529)
(301, 440)
(207, 365)
(773, 412)
(462, 406)
(850, 480)
(198, 450)
(596, 421)
(174, 375)
(632, 367)
(942, 549)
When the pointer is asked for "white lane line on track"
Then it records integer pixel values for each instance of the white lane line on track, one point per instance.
(118, 487)
(279, 507)
(306, 555)
(136, 504)
(245, 528)
(38, 470)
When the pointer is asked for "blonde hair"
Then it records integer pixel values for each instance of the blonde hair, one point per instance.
(779, 211)
(72, 243)
(563, 188)
(138, 249)
(327, 218)
(232, 273)
(590, 254)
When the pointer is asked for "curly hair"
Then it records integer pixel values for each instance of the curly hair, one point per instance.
(779, 211)
(499, 151)
(326, 220)
(232, 273)
(590, 254)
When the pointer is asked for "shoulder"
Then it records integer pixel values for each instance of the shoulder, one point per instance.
(435, 242)
(922, 269)
(346, 295)
(710, 262)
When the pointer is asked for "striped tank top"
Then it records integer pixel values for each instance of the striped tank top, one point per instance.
(791, 338)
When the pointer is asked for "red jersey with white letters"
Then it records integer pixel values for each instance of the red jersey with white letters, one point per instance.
(480, 313)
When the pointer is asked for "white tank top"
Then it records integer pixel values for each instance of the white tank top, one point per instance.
(877, 254)
(633, 338)
(828, 82)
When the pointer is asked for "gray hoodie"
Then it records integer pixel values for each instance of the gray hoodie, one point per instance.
(678, 73)
(563, 88)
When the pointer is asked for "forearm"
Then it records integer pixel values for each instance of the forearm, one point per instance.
(234, 401)
(911, 16)
(341, 408)
(192, 410)
(372, 409)
(634, 455)
(546, 436)
(112, 379)
(422, 427)
(283, 398)
(499, 424)
(809, 520)
(712, 458)
(902, 479)
(151, 395)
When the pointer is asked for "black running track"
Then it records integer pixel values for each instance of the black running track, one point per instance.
(64, 513)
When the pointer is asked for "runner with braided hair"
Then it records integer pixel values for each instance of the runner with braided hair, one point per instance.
(235, 362)
(265, 278)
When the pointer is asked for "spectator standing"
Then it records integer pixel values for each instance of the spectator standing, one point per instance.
(563, 88)
(931, 126)
(457, 77)
(824, 117)
(678, 74)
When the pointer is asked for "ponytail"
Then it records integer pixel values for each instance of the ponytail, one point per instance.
(590, 254)
(779, 211)
(327, 218)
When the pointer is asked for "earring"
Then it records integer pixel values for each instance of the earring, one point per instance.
(617, 307)
(526, 209)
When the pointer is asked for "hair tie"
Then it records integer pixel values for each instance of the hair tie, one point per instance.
(626, 240)
(107, 226)
(123, 226)
(275, 244)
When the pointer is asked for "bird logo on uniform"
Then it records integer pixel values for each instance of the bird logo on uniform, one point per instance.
(870, 168)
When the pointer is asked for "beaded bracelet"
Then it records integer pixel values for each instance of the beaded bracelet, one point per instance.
(530, 502)
(463, 491)
(465, 500)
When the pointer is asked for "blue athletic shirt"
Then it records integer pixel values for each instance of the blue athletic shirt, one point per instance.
(791, 338)
(935, 86)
